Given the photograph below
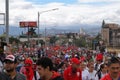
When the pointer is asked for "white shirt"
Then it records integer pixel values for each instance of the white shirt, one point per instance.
(98, 67)
(92, 76)
(85, 74)
(37, 76)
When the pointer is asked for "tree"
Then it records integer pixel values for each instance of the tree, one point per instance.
(53, 40)
(12, 39)
(98, 37)
(68, 35)
(32, 32)
(81, 42)
(42, 42)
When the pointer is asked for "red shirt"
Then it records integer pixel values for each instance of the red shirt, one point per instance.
(55, 74)
(68, 75)
(107, 77)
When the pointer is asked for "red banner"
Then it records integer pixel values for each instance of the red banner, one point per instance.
(24, 24)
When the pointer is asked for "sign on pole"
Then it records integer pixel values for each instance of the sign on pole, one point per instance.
(24, 24)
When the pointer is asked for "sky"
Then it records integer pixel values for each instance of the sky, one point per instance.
(70, 13)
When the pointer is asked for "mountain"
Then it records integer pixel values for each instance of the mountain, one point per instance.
(15, 31)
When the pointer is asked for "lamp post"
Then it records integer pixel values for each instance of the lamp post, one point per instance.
(7, 21)
(39, 14)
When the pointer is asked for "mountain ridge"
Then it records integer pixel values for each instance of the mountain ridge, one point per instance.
(16, 31)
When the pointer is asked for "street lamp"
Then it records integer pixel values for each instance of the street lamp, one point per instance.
(39, 13)
(7, 21)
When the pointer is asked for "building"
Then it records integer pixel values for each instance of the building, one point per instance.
(82, 32)
(110, 33)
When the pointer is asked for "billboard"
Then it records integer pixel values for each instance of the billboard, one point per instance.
(2, 18)
(24, 24)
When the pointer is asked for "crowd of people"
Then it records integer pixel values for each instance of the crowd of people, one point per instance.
(60, 63)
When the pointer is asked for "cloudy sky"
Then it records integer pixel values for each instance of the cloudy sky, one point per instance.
(70, 12)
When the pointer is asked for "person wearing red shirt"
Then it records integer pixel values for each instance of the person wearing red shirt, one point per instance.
(73, 72)
(113, 70)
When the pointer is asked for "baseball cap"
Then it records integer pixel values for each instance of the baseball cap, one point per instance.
(99, 57)
(75, 60)
(10, 58)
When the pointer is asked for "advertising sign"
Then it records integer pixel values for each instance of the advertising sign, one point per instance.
(24, 24)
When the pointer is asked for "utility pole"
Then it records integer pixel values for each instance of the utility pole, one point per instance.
(7, 21)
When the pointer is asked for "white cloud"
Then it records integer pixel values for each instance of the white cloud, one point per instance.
(67, 15)
(89, 1)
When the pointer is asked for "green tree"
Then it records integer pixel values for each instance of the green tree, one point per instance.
(42, 42)
(53, 40)
(98, 37)
(81, 42)
(32, 32)
(12, 39)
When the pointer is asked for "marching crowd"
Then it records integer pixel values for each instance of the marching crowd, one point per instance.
(56, 63)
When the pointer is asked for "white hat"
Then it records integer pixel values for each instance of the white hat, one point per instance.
(10, 58)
